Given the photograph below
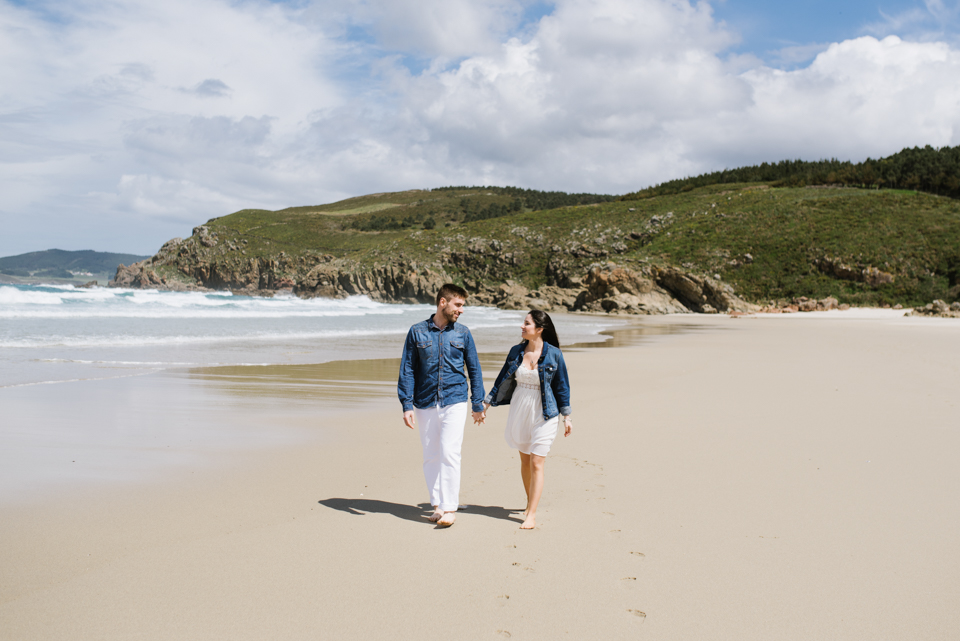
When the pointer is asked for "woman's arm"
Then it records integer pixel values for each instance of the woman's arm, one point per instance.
(561, 386)
(488, 401)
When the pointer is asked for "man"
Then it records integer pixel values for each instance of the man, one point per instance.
(433, 391)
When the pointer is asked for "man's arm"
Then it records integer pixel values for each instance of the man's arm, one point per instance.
(473, 371)
(405, 379)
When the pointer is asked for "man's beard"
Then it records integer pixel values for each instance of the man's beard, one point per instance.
(449, 314)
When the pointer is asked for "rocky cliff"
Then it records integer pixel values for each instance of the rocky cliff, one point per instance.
(209, 261)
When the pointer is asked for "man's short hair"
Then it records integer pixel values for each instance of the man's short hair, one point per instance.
(451, 291)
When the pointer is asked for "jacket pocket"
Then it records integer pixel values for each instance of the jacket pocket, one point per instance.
(424, 345)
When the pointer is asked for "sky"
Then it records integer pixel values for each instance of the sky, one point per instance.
(124, 123)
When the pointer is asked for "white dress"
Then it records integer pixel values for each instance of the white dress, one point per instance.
(526, 429)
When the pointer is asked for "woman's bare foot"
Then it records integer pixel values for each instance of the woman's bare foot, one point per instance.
(436, 516)
(529, 522)
(447, 519)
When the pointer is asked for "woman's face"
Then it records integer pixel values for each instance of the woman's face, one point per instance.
(529, 331)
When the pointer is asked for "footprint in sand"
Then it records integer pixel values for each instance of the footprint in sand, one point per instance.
(504, 633)
(640, 555)
(638, 613)
(628, 582)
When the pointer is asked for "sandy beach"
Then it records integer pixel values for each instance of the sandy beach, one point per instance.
(745, 478)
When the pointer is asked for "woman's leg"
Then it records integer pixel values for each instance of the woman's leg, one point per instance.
(535, 489)
(525, 475)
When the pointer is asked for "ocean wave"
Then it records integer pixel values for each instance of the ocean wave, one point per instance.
(71, 303)
(198, 339)
(75, 380)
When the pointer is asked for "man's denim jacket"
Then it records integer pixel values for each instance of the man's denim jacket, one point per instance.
(432, 367)
(554, 384)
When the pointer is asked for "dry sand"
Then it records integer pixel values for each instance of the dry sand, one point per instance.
(758, 478)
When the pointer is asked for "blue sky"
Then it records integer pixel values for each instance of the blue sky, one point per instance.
(768, 27)
(124, 123)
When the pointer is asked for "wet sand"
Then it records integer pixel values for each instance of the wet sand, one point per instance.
(759, 478)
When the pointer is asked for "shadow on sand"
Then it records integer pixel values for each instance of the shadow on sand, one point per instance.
(418, 513)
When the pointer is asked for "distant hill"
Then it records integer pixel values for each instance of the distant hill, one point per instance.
(927, 169)
(59, 263)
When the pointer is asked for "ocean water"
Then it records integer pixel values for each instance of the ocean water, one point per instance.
(60, 334)
(105, 386)
(113, 386)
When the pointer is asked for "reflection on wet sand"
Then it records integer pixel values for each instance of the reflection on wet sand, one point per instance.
(349, 384)
(636, 334)
(339, 383)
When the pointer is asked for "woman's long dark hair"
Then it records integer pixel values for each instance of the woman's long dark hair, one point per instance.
(542, 319)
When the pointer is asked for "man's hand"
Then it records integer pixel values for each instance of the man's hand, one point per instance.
(567, 425)
(479, 418)
(408, 419)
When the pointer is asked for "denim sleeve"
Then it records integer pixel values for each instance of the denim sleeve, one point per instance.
(407, 368)
(561, 387)
(502, 375)
(473, 371)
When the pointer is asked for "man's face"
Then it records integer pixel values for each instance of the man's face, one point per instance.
(451, 309)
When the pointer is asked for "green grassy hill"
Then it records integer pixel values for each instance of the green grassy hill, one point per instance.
(865, 247)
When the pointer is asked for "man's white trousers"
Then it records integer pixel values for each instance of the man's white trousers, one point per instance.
(441, 434)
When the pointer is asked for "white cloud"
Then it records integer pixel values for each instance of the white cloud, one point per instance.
(446, 29)
(146, 118)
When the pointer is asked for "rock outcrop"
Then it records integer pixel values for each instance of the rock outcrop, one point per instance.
(398, 283)
(937, 308)
(704, 295)
(614, 289)
(861, 273)
(804, 304)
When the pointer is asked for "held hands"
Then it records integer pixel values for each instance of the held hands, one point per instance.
(408, 420)
(480, 417)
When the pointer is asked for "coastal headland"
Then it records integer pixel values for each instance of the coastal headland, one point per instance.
(763, 477)
(790, 236)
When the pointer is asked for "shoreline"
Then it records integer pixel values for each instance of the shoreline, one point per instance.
(251, 396)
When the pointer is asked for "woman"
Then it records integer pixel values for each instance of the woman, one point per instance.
(533, 381)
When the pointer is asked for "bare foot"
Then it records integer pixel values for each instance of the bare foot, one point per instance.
(437, 514)
(447, 519)
(529, 522)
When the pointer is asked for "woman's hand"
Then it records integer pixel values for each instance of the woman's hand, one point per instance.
(567, 425)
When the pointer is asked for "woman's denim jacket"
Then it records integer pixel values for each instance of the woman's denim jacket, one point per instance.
(432, 367)
(554, 384)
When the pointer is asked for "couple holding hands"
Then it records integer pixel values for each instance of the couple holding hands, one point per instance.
(438, 356)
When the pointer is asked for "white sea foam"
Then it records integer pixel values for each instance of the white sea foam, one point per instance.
(77, 380)
(54, 303)
(180, 339)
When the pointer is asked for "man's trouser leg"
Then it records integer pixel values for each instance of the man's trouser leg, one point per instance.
(441, 434)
